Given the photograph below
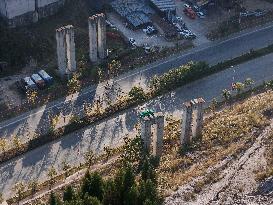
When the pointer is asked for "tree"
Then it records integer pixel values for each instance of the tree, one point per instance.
(51, 174)
(74, 84)
(66, 167)
(239, 87)
(132, 196)
(19, 188)
(69, 194)
(16, 142)
(108, 152)
(213, 105)
(32, 96)
(90, 200)
(1, 198)
(114, 67)
(3, 144)
(110, 195)
(147, 170)
(54, 200)
(33, 185)
(93, 185)
(148, 193)
(226, 94)
(137, 93)
(249, 83)
(89, 158)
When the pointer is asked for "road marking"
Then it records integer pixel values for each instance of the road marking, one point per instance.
(141, 71)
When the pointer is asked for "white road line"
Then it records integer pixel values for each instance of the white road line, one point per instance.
(141, 71)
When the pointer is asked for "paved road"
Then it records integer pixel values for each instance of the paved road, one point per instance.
(110, 132)
(36, 121)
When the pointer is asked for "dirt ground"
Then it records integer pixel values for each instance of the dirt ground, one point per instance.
(237, 184)
(10, 94)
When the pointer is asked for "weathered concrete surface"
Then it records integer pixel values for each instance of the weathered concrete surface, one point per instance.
(66, 50)
(22, 12)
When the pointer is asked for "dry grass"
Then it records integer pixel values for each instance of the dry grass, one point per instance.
(226, 134)
(268, 172)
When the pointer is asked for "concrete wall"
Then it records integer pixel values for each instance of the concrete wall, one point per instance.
(22, 12)
(3, 8)
(16, 8)
(42, 3)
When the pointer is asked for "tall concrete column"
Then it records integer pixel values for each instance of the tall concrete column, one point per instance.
(199, 117)
(93, 39)
(61, 50)
(158, 142)
(70, 44)
(186, 128)
(146, 133)
(101, 36)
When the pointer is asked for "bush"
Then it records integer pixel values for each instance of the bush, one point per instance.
(138, 94)
(179, 76)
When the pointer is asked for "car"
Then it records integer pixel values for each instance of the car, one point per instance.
(47, 78)
(41, 84)
(195, 8)
(190, 13)
(132, 42)
(147, 113)
(200, 14)
(247, 14)
(150, 30)
(187, 34)
(186, 6)
(179, 19)
(26, 84)
(259, 13)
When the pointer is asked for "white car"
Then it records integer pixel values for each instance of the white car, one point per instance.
(200, 14)
(179, 19)
(186, 6)
(132, 41)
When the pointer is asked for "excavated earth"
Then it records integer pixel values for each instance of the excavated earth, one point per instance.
(237, 182)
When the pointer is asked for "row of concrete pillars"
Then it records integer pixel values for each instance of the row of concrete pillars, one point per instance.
(65, 37)
(191, 127)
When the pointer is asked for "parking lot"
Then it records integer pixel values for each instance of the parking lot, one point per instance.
(197, 25)
(201, 27)
(140, 37)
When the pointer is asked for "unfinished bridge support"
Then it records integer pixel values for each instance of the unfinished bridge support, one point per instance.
(66, 50)
(97, 37)
(151, 142)
(192, 121)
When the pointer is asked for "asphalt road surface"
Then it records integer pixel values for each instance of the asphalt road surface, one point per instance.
(34, 165)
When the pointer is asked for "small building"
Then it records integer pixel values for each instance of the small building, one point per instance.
(164, 7)
(135, 12)
(23, 12)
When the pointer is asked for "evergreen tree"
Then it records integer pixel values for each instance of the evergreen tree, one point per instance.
(147, 170)
(54, 200)
(132, 198)
(148, 192)
(93, 185)
(68, 194)
(111, 195)
(89, 200)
